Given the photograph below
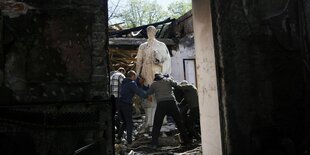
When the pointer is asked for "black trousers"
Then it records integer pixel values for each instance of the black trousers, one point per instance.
(125, 113)
(167, 108)
(190, 119)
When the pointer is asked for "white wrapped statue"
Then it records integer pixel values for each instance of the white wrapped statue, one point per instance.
(153, 57)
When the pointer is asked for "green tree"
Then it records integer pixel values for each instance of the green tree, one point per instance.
(141, 12)
(179, 8)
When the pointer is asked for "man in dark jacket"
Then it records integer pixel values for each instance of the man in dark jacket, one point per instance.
(189, 107)
(166, 105)
(128, 89)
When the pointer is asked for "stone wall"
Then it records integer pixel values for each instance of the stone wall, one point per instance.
(54, 63)
(264, 81)
(55, 51)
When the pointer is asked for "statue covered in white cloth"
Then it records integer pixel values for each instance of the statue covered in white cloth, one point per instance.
(153, 57)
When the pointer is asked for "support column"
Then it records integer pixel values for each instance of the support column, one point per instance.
(206, 78)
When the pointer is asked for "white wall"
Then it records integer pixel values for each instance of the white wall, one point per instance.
(186, 50)
(206, 78)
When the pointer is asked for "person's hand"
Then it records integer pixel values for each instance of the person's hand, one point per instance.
(149, 98)
(141, 81)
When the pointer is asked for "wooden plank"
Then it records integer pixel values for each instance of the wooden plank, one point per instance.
(112, 50)
(123, 59)
(143, 27)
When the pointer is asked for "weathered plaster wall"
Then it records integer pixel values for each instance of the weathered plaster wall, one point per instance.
(262, 75)
(185, 50)
(183, 30)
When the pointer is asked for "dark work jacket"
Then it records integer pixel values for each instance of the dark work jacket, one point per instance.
(163, 89)
(128, 89)
(190, 95)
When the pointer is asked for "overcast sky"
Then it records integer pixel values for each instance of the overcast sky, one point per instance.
(165, 3)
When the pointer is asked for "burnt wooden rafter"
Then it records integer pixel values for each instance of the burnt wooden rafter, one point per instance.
(143, 27)
(136, 41)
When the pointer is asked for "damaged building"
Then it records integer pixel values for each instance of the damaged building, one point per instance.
(177, 34)
(251, 63)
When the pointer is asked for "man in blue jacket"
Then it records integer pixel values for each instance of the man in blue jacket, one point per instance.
(128, 89)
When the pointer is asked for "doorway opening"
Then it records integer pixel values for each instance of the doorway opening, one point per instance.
(198, 68)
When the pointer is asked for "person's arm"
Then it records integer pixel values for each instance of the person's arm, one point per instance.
(139, 91)
(173, 83)
(188, 87)
(139, 81)
(121, 78)
(139, 60)
(150, 91)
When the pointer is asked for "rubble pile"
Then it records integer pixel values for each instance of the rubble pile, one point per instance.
(169, 141)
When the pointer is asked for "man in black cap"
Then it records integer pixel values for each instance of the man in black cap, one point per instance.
(166, 105)
(189, 107)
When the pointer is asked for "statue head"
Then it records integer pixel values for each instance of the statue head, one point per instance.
(151, 31)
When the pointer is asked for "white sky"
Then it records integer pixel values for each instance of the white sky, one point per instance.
(165, 3)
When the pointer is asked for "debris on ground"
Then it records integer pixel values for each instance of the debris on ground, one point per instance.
(169, 141)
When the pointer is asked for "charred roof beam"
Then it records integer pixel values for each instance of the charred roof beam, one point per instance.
(143, 27)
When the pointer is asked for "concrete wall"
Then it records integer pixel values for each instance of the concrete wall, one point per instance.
(263, 76)
(207, 79)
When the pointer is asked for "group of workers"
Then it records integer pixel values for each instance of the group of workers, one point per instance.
(167, 93)
(159, 93)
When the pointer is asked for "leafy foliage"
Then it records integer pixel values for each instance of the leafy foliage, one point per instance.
(141, 12)
(178, 8)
